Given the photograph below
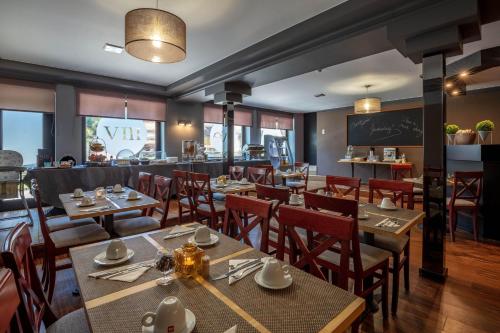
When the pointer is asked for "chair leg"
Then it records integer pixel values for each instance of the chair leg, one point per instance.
(180, 212)
(355, 326)
(385, 291)
(52, 277)
(407, 267)
(395, 283)
(474, 224)
(451, 217)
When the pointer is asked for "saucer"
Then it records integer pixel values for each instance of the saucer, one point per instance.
(213, 239)
(386, 208)
(81, 205)
(247, 183)
(190, 324)
(298, 203)
(101, 259)
(261, 283)
(134, 199)
(220, 185)
(122, 191)
(77, 197)
(363, 217)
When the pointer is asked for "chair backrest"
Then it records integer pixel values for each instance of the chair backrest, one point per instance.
(336, 230)
(144, 182)
(467, 185)
(10, 158)
(236, 172)
(281, 195)
(18, 257)
(35, 191)
(258, 175)
(200, 187)
(181, 181)
(400, 171)
(303, 169)
(9, 302)
(343, 186)
(238, 206)
(269, 174)
(397, 191)
(162, 193)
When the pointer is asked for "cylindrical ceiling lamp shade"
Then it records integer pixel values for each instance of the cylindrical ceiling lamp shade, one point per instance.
(155, 35)
(367, 105)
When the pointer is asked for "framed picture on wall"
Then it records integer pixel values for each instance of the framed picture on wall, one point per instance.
(189, 148)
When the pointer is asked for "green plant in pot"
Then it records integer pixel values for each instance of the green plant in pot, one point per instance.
(451, 130)
(484, 128)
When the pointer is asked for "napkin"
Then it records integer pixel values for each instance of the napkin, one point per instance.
(232, 329)
(247, 270)
(131, 276)
(180, 228)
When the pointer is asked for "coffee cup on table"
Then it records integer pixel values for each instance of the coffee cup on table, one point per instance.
(170, 316)
(202, 235)
(132, 195)
(77, 193)
(294, 198)
(116, 249)
(273, 273)
(244, 180)
(387, 203)
(100, 192)
(86, 200)
(117, 188)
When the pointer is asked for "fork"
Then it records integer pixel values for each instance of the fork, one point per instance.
(242, 272)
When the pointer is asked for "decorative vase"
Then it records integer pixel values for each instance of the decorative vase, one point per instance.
(484, 135)
(465, 138)
(451, 139)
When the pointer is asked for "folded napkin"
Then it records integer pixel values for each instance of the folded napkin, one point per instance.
(246, 271)
(232, 329)
(131, 276)
(180, 228)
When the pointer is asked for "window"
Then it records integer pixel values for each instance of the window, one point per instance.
(22, 131)
(128, 136)
(213, 140)
(271, 131)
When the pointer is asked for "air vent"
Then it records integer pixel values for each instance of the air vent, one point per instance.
(319, 95)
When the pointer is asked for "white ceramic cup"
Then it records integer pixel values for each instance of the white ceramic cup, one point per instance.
(170, 316)
(132, 195)
(321, 191)
(77, 193)
(273, 273)
(86, 200)
(244, 180)
(117, 188)
(387, 203)
(294, 198)
(116, 249)
(202, 235)
(100, 192)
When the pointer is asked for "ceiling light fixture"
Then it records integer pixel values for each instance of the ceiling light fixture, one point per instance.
(455, 92)
(113, 48)
(448, 85)
(367, 104)
(463, 74)
(155, 35)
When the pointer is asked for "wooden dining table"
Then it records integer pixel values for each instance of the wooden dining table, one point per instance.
(232, 187)
(111, 204)
(308, 305)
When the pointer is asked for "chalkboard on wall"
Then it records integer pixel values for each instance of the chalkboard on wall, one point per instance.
(390, 128)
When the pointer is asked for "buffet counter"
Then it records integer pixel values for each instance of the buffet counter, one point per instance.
(55, 181)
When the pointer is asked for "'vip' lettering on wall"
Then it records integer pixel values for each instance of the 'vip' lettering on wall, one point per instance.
(127, 133)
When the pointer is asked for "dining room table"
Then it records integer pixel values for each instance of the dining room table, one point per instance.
(231, 187)
(309, 304)
(106, 206)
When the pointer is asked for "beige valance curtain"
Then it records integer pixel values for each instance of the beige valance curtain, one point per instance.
(214, 114)
(278, 120)
(20, 95)
(145, 108)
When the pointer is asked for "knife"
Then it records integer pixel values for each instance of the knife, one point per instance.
(232, 271)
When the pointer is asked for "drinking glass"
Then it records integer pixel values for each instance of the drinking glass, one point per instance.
(165, 263)
(361, 210)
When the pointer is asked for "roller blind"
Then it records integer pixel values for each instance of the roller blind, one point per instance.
(145, 108)
(26, 96)
(214, 114)
(276, 120)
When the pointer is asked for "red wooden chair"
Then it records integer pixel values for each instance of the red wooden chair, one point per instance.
(236, 172)
(141, 224)
(238, 206)
(269, 174)
(143, 186)
(397, 191)
(258, 175)
(277, 196)
(204, 203)
(58, 242)
(466, 195)
(400, 171)
(183, 192)
(343, 186)
(34, 310)
(9, 302)
(296, 185)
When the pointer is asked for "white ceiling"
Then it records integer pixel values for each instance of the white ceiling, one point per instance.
(70, 34)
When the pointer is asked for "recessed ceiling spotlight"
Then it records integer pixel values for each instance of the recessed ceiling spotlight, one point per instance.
(463, 74)
(319, 95)
(455, 92)
(113, 48)
(448, 85)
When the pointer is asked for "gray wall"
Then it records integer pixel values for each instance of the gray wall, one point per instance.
(68, 133)
(299, 137)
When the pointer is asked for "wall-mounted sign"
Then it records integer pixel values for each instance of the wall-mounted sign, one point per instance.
(119, 134)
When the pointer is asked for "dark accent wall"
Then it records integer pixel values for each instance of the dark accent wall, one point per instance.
(310, 138)
(174, 134)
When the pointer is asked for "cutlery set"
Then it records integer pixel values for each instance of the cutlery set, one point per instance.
(251, 263)
(180, 233)
(388, 222)
(107, 274)
(95, 209)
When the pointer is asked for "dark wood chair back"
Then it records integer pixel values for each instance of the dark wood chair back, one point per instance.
(18, 257)
(236, 172)
(343, 186)
(238, 206)
(335, 230)
(400, 171)
(9, 302)
(181, 182)
(467, 185)
(35, 192)
(144, 183)
(303, 169)
(162, 193)
(281, 195)
(269, 174)
(200, 187)
(257, 175)
(396, 189)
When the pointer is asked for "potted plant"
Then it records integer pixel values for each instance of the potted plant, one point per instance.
(451, 130)
(484, 128)
(465, 137)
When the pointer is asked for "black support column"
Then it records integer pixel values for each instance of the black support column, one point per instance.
(434, 232)
(228, 136)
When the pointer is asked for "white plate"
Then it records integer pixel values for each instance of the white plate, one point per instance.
(122, 191)
(258, 279)
(80, 204)
(190, 324)
(213, 239)
(220, 185)
(134, 199)
(298, 203)
(387, 208)
(247, 183)
(101, 259)
(363, 217)
(78, 197)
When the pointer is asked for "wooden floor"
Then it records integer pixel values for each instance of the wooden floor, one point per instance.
(468, 302)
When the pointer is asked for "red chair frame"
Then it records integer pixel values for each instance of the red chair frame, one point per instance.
(349, 185)
(398, 189)
(236, 172)
(183, 191)
(9, 302)
(162, 192)
(202, 195)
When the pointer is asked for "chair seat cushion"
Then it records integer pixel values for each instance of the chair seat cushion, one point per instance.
(219, 196)
(461, 202)
(184, 202)
(127, 215)
(295, 184)
(370, 257)
(84, 234)
(393, 244)
(74, 322)
(219, 206)
(63, 222)
(136, 225)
